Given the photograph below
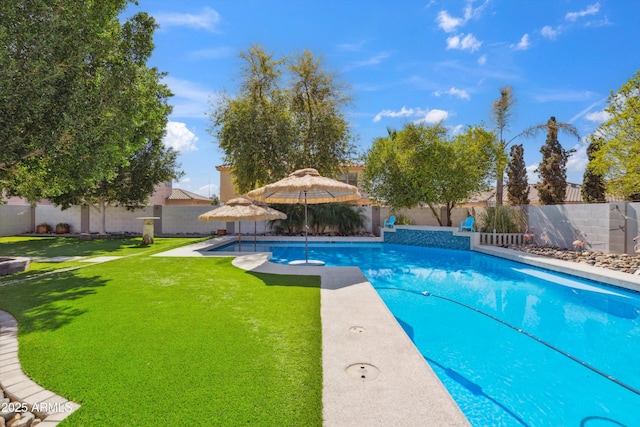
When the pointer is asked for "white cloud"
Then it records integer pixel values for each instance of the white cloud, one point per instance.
(374, 60)
(434, 116)
(352, 47)
(532, 175)
(482, 60)
(206, 20)
(208, 190)
(448, 23)
(404, 112)
(189, 100)
(179, 137)
(427, 116)
(457, 129)
(598, 116)
(577, 163)
(458, 93)
(590, 10)
(523, 44)
(213, 53)
(468, 42)
(549, 33)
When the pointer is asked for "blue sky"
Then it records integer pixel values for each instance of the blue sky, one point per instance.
(405, 61)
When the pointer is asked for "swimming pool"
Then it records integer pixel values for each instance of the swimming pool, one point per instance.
(513, 344)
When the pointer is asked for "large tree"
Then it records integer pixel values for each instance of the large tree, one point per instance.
(272, 127)
(553, 167)
(517, 185)
(421, 164)
(593, 186)
(73, 83)
(618, 158)
(318, 99)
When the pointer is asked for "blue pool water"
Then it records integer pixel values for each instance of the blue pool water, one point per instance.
(466, 330)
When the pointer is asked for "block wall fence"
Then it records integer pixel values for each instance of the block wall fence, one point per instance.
(609, 227)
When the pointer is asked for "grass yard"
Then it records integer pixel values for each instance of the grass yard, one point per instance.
(171, 341)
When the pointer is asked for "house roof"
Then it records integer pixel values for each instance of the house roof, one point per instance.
(573, 195)
(180, 194)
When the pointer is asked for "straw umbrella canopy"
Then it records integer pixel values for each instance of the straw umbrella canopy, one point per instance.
(305, 186)
(242, 209)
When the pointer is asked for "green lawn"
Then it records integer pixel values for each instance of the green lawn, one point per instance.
(172, 341)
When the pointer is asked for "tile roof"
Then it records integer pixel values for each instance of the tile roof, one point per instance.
(573, 195)
(180, 194)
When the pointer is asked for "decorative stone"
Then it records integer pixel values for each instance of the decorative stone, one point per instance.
(25, 420)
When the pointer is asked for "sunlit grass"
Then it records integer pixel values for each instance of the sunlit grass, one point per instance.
(160, 341)
(42, 249)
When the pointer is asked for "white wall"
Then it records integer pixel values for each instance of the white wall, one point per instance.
(15, 219)
(53, 215)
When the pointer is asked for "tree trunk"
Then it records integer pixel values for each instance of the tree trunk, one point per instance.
(435, 213)
(499, 188)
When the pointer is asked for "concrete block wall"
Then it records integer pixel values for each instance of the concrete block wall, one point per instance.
(15, 219)
(184, 220)
(52, 215)
(564, 223)
(119, 219)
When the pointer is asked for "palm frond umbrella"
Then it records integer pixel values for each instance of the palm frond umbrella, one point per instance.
(305, 186)
(242, 209)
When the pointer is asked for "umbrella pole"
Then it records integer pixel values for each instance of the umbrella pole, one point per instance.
(239, 236)
(306, 231)
(255, 231)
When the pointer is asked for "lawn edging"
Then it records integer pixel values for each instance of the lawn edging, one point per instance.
(26, 396)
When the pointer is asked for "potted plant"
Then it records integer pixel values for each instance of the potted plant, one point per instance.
(62, 228)
(43, 228)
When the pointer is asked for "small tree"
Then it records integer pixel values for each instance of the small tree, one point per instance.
(553, 168)
(618, 159)
(593, 186)
(518, 185)
(420, 164)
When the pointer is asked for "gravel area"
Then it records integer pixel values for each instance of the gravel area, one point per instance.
(619, 262)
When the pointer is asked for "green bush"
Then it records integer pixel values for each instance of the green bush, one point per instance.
(501, 219)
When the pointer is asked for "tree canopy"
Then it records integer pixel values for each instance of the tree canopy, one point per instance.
(518, 185)
(593, 185)
(553, 167)
(618, 158)
(421, 164)
(77, 101)
(273, 126)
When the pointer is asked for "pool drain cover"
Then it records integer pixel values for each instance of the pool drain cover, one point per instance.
(357, 329)
(363, 371)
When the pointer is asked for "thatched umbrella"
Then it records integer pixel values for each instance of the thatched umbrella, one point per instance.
(242, 209)
(305, 186)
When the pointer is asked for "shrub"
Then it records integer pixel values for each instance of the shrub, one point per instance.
(501, 219)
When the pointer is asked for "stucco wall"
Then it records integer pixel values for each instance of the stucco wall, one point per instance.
(15, 219)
